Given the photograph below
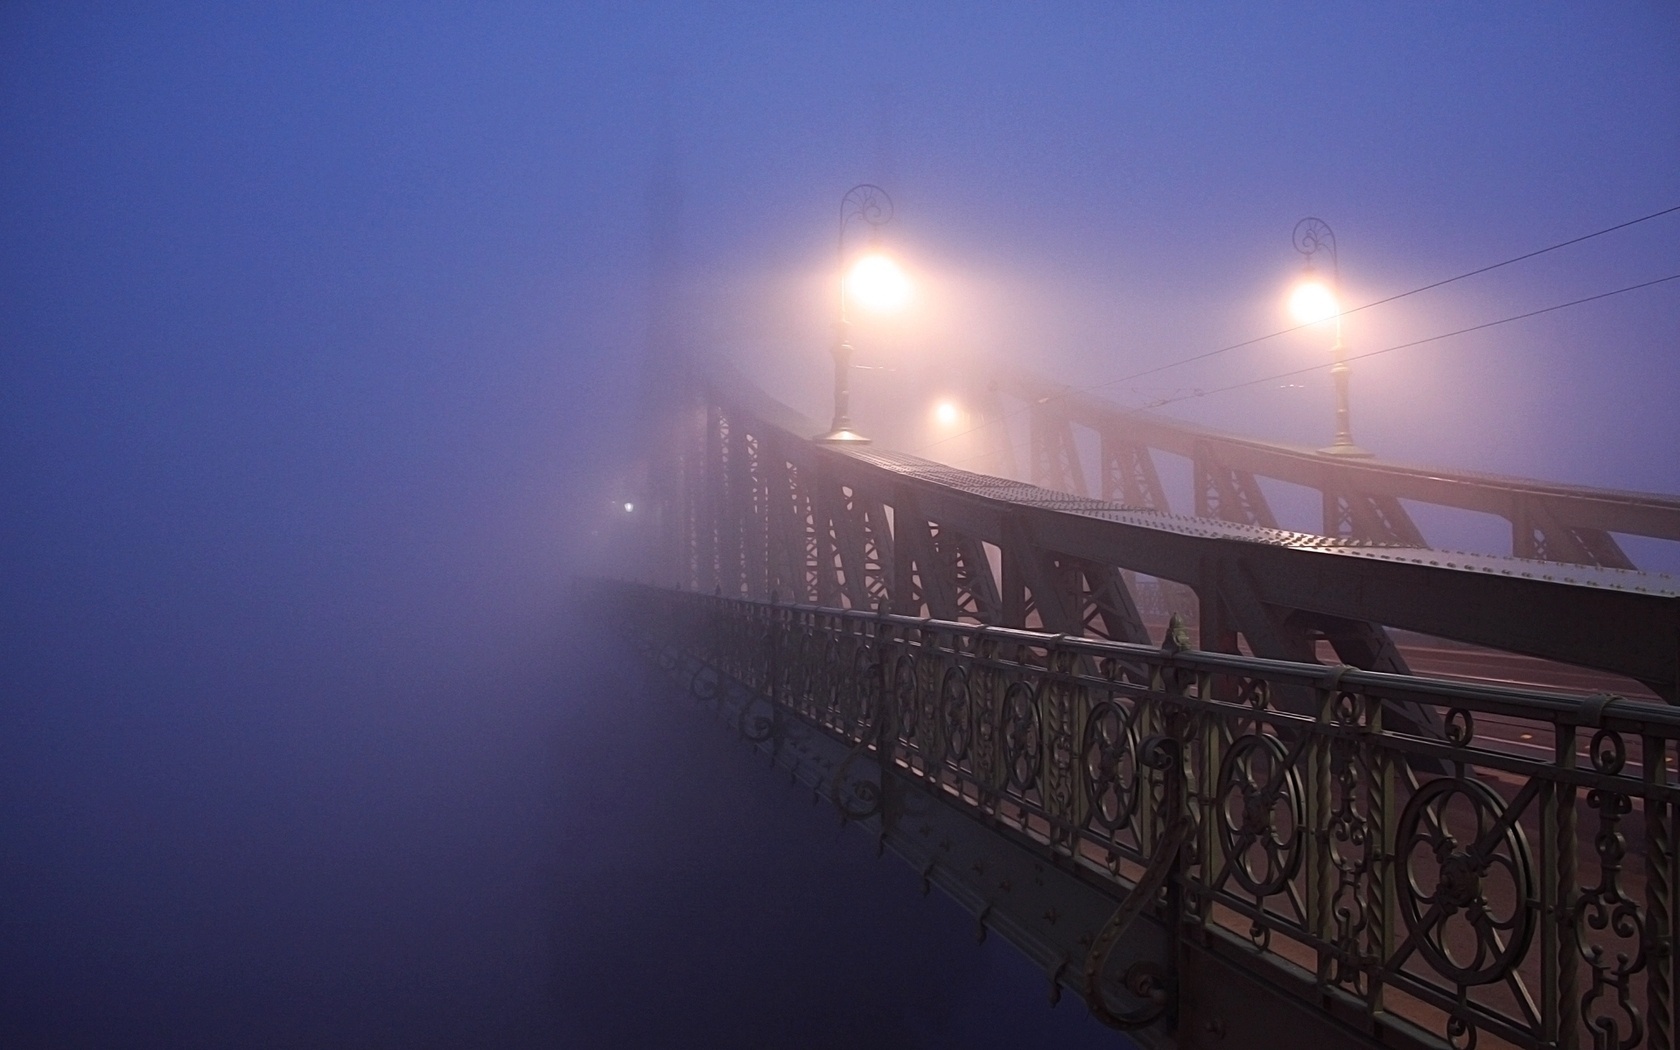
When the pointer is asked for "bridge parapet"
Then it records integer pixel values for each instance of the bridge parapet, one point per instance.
(1303, 859)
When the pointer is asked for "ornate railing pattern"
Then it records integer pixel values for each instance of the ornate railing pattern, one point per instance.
(1511, 888)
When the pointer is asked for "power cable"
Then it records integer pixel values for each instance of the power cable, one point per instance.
(1437, 284)
(1415, 342)
(1017, 445)
(1401, 295)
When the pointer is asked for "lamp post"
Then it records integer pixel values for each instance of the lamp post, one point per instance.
(1313, 302)
(876, 282)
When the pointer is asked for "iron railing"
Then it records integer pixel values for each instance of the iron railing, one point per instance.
(1512, 884)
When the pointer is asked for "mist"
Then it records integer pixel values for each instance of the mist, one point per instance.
(322, 344)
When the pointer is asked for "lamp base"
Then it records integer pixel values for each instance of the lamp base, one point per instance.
(843, 436)
(1348, 451)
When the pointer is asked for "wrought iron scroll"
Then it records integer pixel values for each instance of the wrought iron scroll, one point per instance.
(1143, 980)
(1449, 888)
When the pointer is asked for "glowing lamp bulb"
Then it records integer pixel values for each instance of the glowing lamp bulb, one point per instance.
(1312, 302)
(877, 284)
(945, 413)
(629, 508)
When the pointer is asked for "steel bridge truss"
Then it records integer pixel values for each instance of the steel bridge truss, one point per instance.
(1222, 851)
(1189, 838)
(763, 512)
(1362, 498)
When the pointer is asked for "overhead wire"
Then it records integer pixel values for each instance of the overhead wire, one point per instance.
(1379, 302)
(1017, 445)
(1416, 342)
(1392, 298)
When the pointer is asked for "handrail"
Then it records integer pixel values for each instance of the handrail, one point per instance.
(1452, 902)
(1598, 710)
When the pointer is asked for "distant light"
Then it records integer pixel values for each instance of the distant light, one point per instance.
(629, 508)
(946, 413)
(877, 284)
(1312, 302)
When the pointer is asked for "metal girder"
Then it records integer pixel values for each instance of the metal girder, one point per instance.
(787, 524)
(1623, 623)
(1065, 595)
(877, 552)
(1129, 476)
(1601, 548)
(924, 583)
(1030, 585)
(1106, 606)
(709, 491)
(1364, 516)
(848, 541)
(1226, 493)
(691, 524)
(813, 536)
(1537, 533)
(754, 502)
(1566, 523)
(1055, 455)
(735, 576)
(1006, 745)
(1281, 633)
(865, 549)
(963, 560)
(1632, 631)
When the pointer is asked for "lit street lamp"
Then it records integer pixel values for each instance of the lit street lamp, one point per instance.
(1314, 301)
(875, 283)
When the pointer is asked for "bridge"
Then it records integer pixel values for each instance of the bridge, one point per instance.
(1272, 817)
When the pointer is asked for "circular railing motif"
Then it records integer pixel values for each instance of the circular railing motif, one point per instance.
(954, 708)
(859, 703)
(904, 697)
(1111, 765)
(1261, 814)
(1466, 881)
(929, 687)
(1023, 737)
(832, 692)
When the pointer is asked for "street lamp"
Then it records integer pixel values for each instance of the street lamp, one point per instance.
(875, 283)
(1314, 301)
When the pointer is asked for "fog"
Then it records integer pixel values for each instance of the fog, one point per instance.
(322, 332)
